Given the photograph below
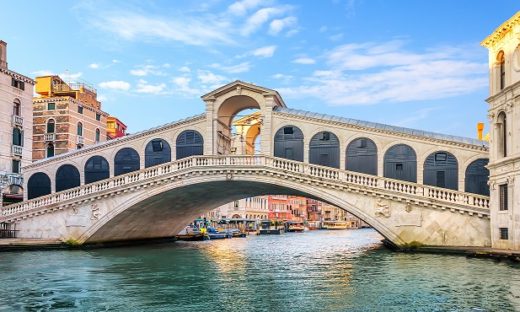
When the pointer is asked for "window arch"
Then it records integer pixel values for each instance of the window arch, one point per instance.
(17, 107)
(362, 156)
(288, 143)
(39, 184)
(324, 149)
(157, 152)
(80, 129)
(98, 136)
(441, 170)
(502, 134)
(125, 161)
(501, 62)
(67, 177)
(51, 126)
(17, 137)
(50, 150)
(189, 143)
(477, 176)
(400, 162)
(96, 169)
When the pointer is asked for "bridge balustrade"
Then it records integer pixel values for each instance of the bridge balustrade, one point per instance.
(323, 173)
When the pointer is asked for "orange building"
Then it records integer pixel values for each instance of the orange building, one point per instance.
(115, 128)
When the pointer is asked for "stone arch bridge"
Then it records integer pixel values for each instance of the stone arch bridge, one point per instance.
(410, 185)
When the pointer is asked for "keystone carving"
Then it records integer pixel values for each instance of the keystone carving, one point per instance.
(382, 209)
(408, 207)
(95, 213)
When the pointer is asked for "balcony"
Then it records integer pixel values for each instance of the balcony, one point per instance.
(80, 140)
(16, 150)
(17, 121)
(49, 137)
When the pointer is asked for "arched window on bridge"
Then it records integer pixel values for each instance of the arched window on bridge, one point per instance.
(39, 184)
(96, 169)
(67, 177)
(126, 160)
(157, 152)
(189, 143)
(288, 143)
(362, 156)
(441, 170)
(324, 149)
(502, 134)
(477, 176)
(401, 163)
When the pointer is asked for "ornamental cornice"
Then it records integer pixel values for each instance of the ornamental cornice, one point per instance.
(17, 76)
(115, 142)
(501, 31)
(383, 131)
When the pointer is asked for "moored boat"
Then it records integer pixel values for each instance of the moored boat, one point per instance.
(268, 227)
(334, 225)
(294, 226)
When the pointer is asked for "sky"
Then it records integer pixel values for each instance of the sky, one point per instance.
(416, 64)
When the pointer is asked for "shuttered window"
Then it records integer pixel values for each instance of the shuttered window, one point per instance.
(502, 189)
(504, 233)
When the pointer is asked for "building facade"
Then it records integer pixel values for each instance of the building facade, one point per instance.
(504, 113)
(115, 128)
(16, 127)
(66, 117)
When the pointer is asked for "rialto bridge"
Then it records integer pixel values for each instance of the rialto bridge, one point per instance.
(410, 185)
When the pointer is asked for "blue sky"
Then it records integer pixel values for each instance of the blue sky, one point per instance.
(415, 64)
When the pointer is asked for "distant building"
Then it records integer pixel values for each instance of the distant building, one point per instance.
(115, 128)
(16, 128)
(66, 116)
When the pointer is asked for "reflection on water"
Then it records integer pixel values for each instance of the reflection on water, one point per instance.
(312, 271)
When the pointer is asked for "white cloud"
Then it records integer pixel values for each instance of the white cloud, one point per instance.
(144, 87)
(336, 37)
(182, 86)
(369, 73)
(188, 29)
(304, 60)
(184, 69)
(241, 7)
(207, 77)
(277, 25)
(43, 72)
(94, 66)
(282, 77)
(233, 69)
(260, 17)
(148, 69)
(267, 51)
(115, 85)
(70, 77)
(116, 61)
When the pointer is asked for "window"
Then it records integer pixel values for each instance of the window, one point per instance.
(50, 126)
(235, 204)
(16, 166)
(80, 129)
(50, 150)
(17, 137)
(80, 109)
(501, 60)
(441, 156)
(503, 200)
(362, 143)
(157, 145)
(51, 106)
(288, 130)
(325, 136)
(98, 136)
(504, 233)
(441, 178)
(17, 84)
(502, 134)
(98, 116)
(17, 107)
(398, 167)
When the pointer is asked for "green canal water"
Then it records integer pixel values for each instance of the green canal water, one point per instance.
(312, 271)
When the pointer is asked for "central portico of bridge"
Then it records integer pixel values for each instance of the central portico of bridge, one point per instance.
(410, 185)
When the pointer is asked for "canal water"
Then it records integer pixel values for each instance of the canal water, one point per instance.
(312, 271)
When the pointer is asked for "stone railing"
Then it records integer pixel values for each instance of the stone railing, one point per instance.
(450, 199)
(16, 150)
(17, 120)
(49, 137)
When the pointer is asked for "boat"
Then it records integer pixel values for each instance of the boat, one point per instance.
(294, 226)
(191, 237)
(236, 233)
(268, 227)
(334, 225)
(215, 234)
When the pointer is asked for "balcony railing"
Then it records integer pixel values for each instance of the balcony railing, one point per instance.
(80, 140)
(17, 150)
(49, 137)
(17, 120)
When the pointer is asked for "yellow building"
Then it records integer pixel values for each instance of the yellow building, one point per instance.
(66, 116)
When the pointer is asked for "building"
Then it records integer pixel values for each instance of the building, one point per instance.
(504, 113)
(115, 128)
(66, 117)
(16, 128)
(251, 208)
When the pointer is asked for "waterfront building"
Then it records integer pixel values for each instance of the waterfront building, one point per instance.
(66, 117)
(16, 128)
(504, 113)
(251, 208)
(115, 128)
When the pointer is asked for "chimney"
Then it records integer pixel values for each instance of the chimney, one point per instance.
(480, 130)
(3, 54)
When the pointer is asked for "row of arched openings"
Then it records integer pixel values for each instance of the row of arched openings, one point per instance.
(400, 161)
(126, 160)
